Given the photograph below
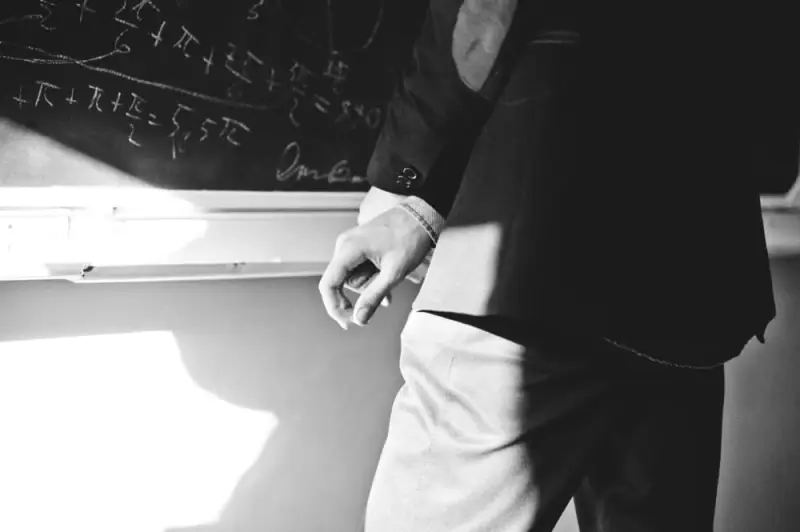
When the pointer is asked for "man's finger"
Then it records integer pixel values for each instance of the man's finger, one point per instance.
(373, 295)
(345, 259)
(361, 276)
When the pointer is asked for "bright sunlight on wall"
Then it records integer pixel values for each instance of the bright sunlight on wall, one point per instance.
(109, 433)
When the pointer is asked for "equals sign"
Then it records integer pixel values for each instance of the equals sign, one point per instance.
(322, 104)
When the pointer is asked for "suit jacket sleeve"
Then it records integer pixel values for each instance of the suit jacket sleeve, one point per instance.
(461, 61)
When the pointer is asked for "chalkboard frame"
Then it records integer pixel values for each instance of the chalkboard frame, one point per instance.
(141, 199)
(117, 234)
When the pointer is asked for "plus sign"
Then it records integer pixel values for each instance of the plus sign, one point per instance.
(20, 99)
(84, 7)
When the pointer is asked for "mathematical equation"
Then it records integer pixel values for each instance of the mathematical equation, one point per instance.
(44, 94)
(141, 29)
(183, 125)
(308, 94)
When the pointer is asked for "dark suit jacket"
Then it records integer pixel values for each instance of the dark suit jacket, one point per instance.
(596, 177)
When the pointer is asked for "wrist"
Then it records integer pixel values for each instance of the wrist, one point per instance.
(425, 215)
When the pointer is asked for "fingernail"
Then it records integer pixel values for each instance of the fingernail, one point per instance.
(362, 316)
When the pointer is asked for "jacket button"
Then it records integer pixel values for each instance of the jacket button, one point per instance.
(407, 177)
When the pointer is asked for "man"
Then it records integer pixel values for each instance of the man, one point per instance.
(603, 256)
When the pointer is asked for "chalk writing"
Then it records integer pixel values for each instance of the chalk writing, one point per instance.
(254, 12)
(209, 61)
(15, 20)
(204, 127)
(130, 136)
(234, 89)
(83, 5)
(58, 59)
(134, 109)
(271, 81)
(230, 60)
(96, 95)
(244, 65)
(184, 41)
(159, 85)
(178, 137)
(340, 172)
(293, 110)
(337, 70)
(322, 104)
(119, 46)
(228, 129)
(47, 7)
(374, 33)
(119, 13)
(157, 37)
(350, 112)
(117, 103)
(250, 58)
(231, 126)
(300, 74)
(144, 4)
(20, 98)
(42, 93)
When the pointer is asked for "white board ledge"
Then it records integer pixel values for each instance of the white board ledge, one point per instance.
(137, 199)
(135, 234)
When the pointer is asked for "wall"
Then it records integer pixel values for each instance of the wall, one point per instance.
(261, 345)
(267, 346)
(760, 476)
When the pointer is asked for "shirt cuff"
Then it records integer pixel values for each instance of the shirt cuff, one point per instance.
(428, 217)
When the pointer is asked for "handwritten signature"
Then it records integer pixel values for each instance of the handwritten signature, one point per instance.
(338, 173)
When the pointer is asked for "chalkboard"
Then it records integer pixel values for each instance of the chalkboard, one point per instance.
(252, 95)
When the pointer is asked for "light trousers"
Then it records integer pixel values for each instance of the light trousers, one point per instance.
(491, 435)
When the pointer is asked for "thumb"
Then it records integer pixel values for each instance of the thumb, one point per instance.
(373, 295)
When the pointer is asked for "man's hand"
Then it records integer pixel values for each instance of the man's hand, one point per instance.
(394, 242)
(376, 202)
